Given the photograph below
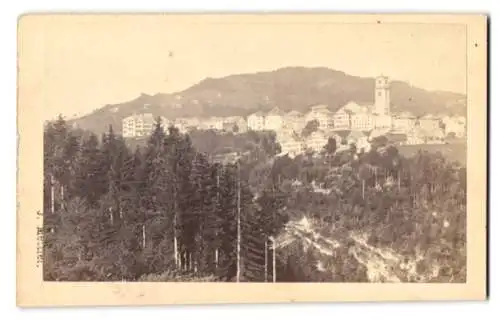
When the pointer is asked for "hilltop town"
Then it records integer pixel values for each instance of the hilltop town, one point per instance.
(300, 132)
(254, 159)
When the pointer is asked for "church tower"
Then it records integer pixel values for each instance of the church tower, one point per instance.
(382, 96)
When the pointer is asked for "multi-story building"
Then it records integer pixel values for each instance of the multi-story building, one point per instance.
(322, 115)
(403, 122)
(382, 96)
(455, 125)
(128, 126)
(292, 147)
(236, 124)
(397, 138)
(421, 135)
(229, 127)
(367, 116)
(416, 136)
(316, 141)
(215, 123)
(342, 118)
(189, 121)
(382, 106)
(294, 120)
(286, 131)
(382, 121)
(139, 125)
(435, 136)
(185, 124)
(362, 119)
(256, 121)
(354, 116)
(290, 142)
(242, 125)
(274, 119)
(429, 122)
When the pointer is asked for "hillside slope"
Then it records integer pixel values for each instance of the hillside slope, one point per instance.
(379, 264)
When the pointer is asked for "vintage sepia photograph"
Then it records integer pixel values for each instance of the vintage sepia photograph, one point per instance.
(254, 149)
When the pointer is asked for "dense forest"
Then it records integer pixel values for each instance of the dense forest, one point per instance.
(167, 211)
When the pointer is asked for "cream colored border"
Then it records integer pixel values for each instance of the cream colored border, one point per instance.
(32, 291)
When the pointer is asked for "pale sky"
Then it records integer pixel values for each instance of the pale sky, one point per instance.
(89, 62)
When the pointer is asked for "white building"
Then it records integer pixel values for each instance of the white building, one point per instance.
(184, 124)
(455, 125)
(382, 96)
(274, 119)
(429, 122)
(215, 123)
(365, 116)
(292, 147)
(397, 138)
(256, 121)
(342, 117)
(435, 136)
(242, 125)
(382, 121)
(382, 106)
(403, 122)
(316, 141)
(362, 119)
(294, 120)
(290, 142)
(139, 125)
(235, 124)
(421, 135)
(322, 115)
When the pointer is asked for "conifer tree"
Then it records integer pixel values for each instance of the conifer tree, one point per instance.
(269, 216)
(184, 192)
(171, 145)
(212, 232)
(114, 155)
(156, 217)
(88, 180)
(60, 152)
(228, 228)
(202, 199)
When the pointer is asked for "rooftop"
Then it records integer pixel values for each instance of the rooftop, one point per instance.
(320, 109)
(294, 113)
(354, 107)
(429, 116)
(259, 113)
(276, 111)
(405, 114)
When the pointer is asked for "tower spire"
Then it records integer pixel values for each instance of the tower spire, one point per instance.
(382, 95)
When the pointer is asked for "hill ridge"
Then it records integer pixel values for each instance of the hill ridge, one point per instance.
(290, 88)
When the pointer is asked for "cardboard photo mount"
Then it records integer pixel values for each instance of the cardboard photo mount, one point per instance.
(34, 30)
